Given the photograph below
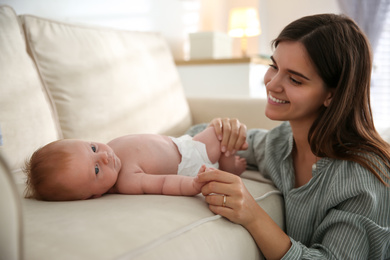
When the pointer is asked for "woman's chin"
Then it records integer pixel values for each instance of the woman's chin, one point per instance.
(273, 116)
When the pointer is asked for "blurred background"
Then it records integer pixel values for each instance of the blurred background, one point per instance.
(221, 47)
(175, 19)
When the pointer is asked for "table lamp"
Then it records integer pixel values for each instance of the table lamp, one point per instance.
(243, 23)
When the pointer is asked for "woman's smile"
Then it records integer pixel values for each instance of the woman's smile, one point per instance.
(276, 100)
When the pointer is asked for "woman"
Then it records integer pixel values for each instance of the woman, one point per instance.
(327, 158)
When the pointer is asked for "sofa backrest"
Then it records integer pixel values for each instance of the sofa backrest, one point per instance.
(62, 80)
(105, 82)
(27, 118)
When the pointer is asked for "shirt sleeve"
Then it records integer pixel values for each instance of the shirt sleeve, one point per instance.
(299, 251)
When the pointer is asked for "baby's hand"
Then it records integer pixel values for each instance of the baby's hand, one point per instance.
(196, 183)
(205, 169)
(202, 169)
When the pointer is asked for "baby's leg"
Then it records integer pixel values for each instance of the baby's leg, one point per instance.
(233, 164)
(213, 145)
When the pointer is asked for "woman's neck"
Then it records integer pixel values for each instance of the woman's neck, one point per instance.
(302, 155)
(300, 133)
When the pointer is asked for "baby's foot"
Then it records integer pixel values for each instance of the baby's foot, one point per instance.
(240, 165)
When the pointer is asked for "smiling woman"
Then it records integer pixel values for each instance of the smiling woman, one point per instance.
(346, 113)
(328, 161)
(296, 85)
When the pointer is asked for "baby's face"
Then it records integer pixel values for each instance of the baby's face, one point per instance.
(93, 170)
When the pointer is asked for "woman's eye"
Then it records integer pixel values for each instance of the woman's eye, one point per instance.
(93, 147)
(295, 82)
(96, 169)
(273, 66)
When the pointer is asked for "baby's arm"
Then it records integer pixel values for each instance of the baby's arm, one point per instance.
(142, 183)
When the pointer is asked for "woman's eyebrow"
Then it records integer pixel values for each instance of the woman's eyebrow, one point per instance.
(291, 71)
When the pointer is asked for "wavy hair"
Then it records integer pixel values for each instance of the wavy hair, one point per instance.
(342, 56)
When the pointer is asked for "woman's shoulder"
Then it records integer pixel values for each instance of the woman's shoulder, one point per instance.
(350, 179)
(357, 193)
(349, 169)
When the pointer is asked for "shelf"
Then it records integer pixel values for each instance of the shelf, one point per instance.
(253, 59)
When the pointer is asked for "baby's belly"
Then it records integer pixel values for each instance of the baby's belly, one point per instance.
(164, 157)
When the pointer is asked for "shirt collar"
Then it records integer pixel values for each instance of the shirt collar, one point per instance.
(290, 146)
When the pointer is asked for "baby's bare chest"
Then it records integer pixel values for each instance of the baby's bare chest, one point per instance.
(151, 154)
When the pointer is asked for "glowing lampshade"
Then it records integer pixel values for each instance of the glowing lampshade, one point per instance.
(243, 23)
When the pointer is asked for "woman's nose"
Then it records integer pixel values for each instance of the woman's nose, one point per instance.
(273, 83)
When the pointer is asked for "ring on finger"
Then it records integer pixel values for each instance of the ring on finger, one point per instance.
(224, 201)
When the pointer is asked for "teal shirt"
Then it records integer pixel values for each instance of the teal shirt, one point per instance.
(343, 212)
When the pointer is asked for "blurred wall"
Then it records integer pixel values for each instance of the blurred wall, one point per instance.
(176, 18)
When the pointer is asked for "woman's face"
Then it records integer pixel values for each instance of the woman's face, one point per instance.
(295, 90)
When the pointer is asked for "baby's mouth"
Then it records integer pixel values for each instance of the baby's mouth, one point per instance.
(277, 100)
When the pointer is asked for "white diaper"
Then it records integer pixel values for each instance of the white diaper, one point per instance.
(193, 156)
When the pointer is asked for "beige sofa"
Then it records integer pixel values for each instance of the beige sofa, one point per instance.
(70, 81)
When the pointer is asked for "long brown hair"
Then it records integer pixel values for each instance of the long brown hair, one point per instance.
(342, 56)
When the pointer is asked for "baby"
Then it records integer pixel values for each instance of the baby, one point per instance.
(133, 164)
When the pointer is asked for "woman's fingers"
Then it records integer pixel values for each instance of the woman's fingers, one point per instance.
(220, 182)
(219, 200)
(237, 139)
(214, 187)
(217, 124)
(226, 132)
(218, 176)
(232, 134)
(227, 196)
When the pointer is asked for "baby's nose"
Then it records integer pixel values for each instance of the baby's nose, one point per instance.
(105, 157)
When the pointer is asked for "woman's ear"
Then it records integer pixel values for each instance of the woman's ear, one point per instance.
(329, 97)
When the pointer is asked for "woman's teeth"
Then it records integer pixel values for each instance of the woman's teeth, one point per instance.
(277, 100)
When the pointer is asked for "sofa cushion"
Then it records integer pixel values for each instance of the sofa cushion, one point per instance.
(106, 83)
(143, 227)
(26, 118)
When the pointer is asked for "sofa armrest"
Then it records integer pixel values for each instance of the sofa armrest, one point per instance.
(11, 220)
(249, 111)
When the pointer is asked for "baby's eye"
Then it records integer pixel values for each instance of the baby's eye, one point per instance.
(96, 169)
(93, 147)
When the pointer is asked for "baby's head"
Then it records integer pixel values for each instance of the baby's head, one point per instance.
(71, 170)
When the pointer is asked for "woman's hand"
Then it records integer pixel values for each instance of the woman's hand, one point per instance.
(232, 134)
(227, 196)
